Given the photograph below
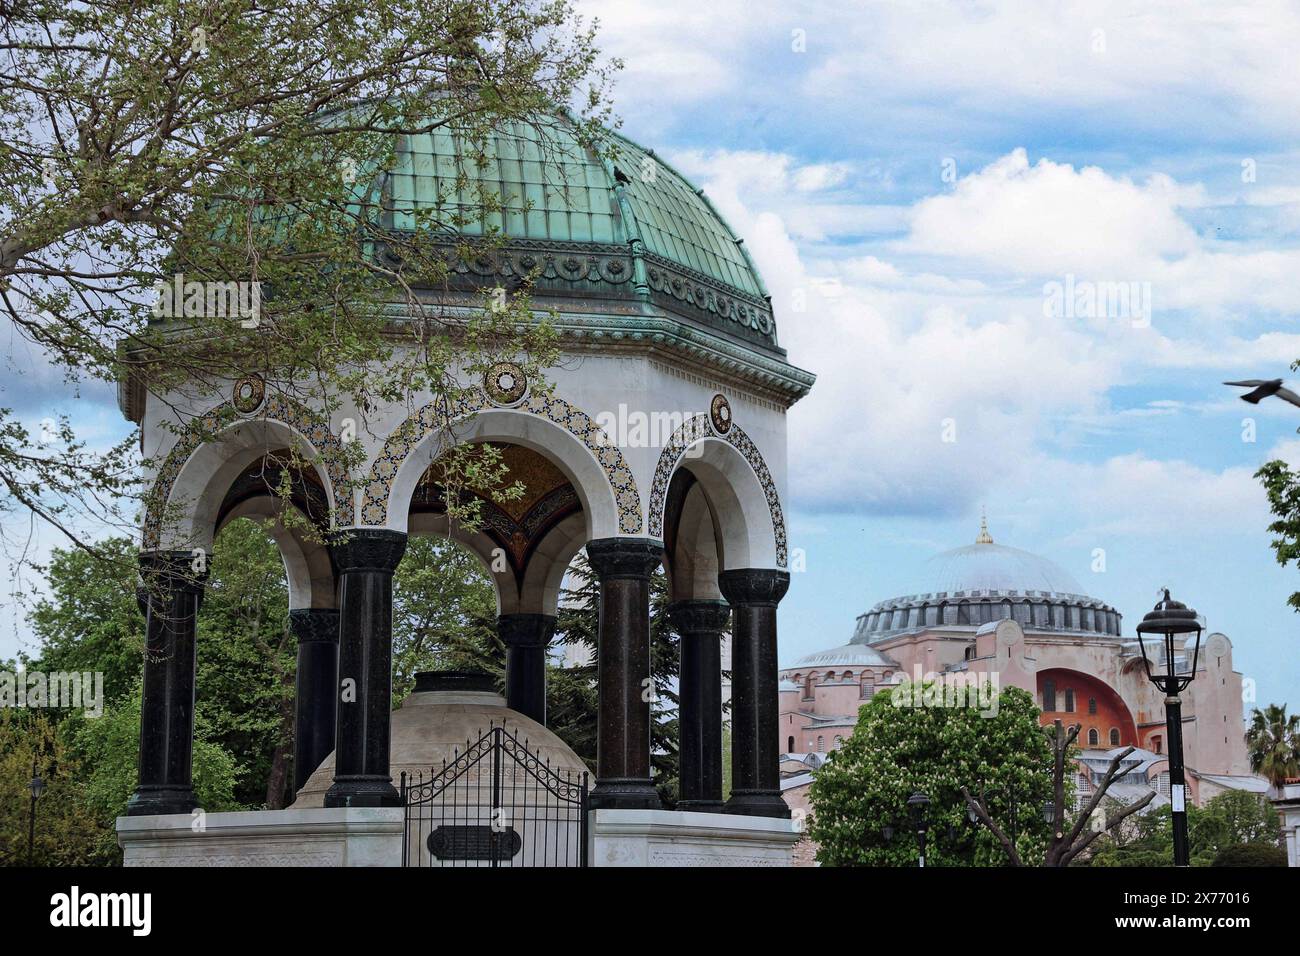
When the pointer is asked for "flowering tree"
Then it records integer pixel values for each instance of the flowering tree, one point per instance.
(859, 797)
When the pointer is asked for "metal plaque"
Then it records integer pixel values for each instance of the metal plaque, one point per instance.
(474, 843)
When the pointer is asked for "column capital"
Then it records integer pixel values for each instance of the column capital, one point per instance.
(525, 630)
(368, 549)
(174, 570)
(613, 558)
(754, 586)
(699, 617)
(315, 624)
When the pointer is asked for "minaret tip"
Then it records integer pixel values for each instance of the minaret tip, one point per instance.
(984, 537)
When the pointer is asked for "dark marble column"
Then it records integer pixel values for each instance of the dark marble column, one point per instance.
(170, 595)
(623, 567)
(316, 688)
(755, 720)
(700, 625)
(526, 637)
(365, 562)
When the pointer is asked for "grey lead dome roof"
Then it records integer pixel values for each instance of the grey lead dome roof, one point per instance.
(995, 567)
(985, 582)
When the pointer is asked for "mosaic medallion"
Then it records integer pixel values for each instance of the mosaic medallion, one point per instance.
(249, 393)
(720, 414)
(505, 383)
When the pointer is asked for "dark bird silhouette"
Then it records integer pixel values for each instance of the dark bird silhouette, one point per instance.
(620, 176)
(1263, 388)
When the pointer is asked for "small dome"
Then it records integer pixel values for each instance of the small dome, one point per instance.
(849, 655)
(435, 725)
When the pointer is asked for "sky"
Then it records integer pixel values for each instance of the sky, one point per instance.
(914, 180)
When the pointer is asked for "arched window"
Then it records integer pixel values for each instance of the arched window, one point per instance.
(808, 687)
(1093, 738)
(963, 613)
(1049, 696)
(970, 652)
(1114, 736)
(1092, 705)
(838, 740)
(1157, 745)
(821, 744)
(1069, 700)
(1006, 610)
(789, 745)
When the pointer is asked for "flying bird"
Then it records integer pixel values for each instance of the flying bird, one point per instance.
(1263, 388)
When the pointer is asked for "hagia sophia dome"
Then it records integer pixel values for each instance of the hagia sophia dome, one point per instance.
(984, 582)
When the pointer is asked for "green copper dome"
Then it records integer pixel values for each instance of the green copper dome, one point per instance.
(612, 222)
(552, 187)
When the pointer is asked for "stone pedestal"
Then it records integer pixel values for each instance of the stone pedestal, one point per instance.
(343, 836)
(680, 838)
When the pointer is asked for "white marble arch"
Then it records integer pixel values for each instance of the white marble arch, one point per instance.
(742, 517)
(549, 562)
(200, 487)
(695, 559)
(545, 437)
(307, 565)
(478, 544)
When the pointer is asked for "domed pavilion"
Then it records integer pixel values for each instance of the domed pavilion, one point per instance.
(660, 440)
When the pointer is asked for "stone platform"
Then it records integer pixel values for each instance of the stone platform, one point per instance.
(345, 836)
(678, 838)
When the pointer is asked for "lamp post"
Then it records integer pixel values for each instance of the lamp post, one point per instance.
(37, 786)
(918, 803)
(1166, 623)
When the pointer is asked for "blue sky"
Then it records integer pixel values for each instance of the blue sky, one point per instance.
(1143, 143)
(916, 174)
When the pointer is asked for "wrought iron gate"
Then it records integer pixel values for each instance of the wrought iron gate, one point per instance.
(496, 803)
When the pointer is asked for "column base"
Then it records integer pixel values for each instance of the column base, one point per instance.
(758, 803)
(700, 806)
(147, 801)
(624, 794)
(362, 792)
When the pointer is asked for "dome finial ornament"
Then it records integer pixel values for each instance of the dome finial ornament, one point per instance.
(984, 536)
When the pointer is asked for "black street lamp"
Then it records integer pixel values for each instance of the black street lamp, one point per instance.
(1169, 621)
(37, 786)
(917, 804)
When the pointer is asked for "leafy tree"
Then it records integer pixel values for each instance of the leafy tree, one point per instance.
(108, 749)
(1234, 818)
(895, 751)
(1231, 819)
(1273, 741)
(247, 660)
(444, 614)
(68, 832)
(89, 620)
(1251, 854)
(233, 141)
